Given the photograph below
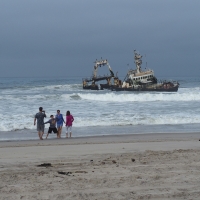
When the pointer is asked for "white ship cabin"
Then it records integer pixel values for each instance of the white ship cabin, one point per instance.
(143, 77)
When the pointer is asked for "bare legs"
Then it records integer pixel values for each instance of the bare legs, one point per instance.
(59, 132)
(40, 134)
(47, 135)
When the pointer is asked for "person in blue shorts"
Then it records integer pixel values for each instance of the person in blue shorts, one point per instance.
(59, 121)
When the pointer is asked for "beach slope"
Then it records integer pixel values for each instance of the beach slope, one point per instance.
(145, 166)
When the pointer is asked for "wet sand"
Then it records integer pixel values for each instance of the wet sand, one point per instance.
(142, 166)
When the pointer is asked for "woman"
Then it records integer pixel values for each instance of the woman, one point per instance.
(69, 120)
(59, 120)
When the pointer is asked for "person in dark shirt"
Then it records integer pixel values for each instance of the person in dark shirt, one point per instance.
(40, 122)
(52, 126)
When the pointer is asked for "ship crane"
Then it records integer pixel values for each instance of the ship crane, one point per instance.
(99, 64)
(95, 78)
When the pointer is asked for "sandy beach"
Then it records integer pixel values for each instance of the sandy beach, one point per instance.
(142, 166)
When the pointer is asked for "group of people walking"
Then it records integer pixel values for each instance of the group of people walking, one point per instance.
(56, 123)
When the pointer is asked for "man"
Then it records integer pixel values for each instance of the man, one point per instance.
(59, 120)
(52, 126)
(40, 122)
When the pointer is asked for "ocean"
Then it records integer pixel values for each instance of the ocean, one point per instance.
(96, 112)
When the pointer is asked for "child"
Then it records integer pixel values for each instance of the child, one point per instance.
(69, 120)
(52, 126)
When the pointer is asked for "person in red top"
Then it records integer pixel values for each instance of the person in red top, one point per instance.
(69, 120)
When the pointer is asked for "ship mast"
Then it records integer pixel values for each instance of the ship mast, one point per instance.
(138, 61)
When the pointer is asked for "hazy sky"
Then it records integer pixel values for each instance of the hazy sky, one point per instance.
(64, 37)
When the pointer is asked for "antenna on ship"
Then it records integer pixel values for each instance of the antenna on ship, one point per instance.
(146, 60)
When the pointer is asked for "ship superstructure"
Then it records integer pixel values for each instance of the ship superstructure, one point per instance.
(143, 80)
(138, 74)
(90, 83)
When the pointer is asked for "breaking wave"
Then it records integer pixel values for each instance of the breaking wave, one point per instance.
(26, 121)
(140, 97)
